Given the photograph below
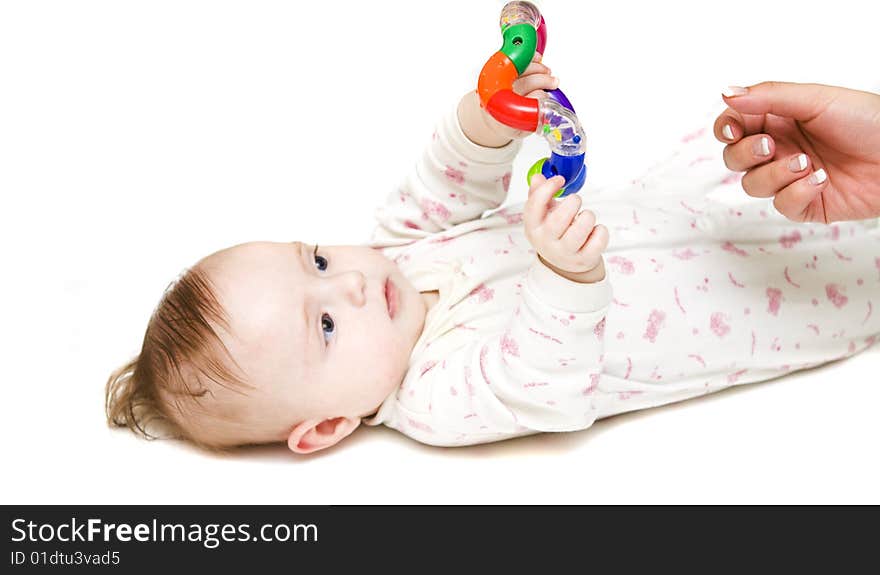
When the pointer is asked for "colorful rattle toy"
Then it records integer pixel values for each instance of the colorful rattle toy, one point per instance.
(524, 33)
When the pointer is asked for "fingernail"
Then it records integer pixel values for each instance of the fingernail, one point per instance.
(727, 132)
(734, 91)
(798, 163)
(818, 177)
(762, 147)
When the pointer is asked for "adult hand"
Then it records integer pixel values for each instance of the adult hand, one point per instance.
(814, 149)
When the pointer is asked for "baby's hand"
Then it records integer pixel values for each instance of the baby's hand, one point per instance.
(567, 239)
(481, 128)
(533, 82)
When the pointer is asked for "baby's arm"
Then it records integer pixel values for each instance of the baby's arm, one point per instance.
(541, 372)
(463, 172)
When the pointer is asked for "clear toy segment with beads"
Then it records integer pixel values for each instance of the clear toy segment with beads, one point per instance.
(525, 32)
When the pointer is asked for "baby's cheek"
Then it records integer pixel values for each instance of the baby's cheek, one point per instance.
(392, 359)
(381, 373)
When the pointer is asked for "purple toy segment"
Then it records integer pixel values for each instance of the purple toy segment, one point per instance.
(558, 96)
(542, 37)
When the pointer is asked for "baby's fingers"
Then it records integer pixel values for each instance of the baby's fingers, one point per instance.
(561, 216)
(595, 246)
(525, 85)
(541, 193)
(577, 233)
(536, 67)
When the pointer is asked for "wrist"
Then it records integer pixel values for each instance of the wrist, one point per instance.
(475, 123)
(594, 275)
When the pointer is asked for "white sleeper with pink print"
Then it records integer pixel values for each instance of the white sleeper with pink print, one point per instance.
(711, 289)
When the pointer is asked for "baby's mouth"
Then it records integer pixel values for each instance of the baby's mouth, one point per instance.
(391, 297)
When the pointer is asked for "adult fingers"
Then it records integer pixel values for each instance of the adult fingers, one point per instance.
(801, 102)
(749, 152)
(731, 125)
(795, 200)
(541, 193)
(765, 181)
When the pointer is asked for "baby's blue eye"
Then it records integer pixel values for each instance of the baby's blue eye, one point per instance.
(321, 262)
(327, 325)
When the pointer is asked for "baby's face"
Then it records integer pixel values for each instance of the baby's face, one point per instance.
(319, 335)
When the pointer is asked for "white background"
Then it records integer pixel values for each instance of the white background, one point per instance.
(136, 138)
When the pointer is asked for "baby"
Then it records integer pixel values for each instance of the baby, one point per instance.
(458, 327)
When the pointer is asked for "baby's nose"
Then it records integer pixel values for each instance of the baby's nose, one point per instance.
(352, 285)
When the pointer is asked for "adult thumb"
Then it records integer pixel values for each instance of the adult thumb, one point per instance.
(798, 101)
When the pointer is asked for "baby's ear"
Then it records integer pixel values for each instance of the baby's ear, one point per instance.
(316, 434)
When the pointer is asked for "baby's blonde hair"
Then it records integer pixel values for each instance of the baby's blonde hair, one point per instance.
(181, 362)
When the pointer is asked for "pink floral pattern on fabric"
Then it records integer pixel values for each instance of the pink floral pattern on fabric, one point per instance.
(509, 345)
(436, 209)
(622, 265)
(594, 384)
(788, 241)
(454, 175)
(426, 367)
(686, 254)
(729, 247)
(774, 300)
(654, 325)
(482, 293)
(835, 295)
(733, 280)
(718, 324)
(599, 330)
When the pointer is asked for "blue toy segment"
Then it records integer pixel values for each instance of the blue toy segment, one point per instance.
(577, 184)
(572, 168)
(566, 166)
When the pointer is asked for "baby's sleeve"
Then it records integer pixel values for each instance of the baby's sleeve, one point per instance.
(454, 181)
(540, 374)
